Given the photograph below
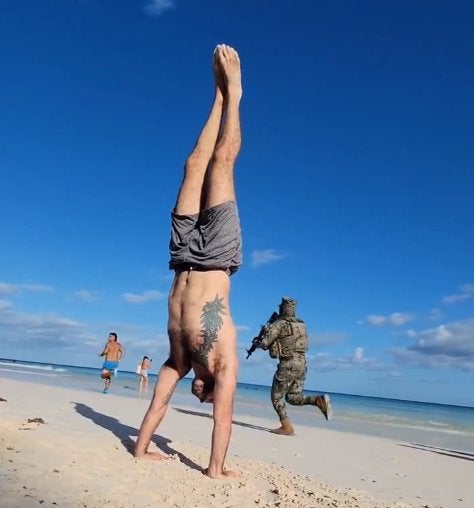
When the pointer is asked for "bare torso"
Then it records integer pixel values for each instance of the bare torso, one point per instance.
(200, 326)
(113, 353)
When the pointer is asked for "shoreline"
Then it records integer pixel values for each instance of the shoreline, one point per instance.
(80, 456)
(432, 425)
(242, 384)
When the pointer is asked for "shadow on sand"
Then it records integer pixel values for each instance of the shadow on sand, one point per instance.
(206, 415)
(441, 451)
(123, 433)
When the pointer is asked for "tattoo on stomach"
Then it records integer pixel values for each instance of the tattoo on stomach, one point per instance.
(211, 322)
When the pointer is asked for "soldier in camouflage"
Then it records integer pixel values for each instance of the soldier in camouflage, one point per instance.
(286, 339)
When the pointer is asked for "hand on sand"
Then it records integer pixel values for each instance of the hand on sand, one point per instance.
(157, 456)
(226, 474)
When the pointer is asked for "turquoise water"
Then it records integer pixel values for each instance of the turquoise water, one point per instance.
(438, 425)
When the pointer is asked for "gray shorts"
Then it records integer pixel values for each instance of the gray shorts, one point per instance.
(209, 240)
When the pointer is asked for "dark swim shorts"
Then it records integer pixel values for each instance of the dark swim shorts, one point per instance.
(209, 240)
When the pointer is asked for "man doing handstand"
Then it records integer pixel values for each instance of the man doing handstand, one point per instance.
(205, 250)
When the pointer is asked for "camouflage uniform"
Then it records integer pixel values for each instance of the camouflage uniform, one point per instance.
(286, 338)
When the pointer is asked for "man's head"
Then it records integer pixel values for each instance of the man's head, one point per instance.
(203, 389)
(287, 307)
(113, 336)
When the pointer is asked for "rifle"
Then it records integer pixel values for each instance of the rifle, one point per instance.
(256, 340)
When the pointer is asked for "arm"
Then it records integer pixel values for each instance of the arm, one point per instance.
(121, 352)
(165, 386)
(226, 381)
(105, 351)
(269, 334)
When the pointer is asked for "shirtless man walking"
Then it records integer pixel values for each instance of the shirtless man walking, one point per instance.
(205, 250)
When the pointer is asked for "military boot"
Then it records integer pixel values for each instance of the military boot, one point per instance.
(286, 428)
(323, 402)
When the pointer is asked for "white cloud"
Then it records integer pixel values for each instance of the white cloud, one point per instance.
(61, 339)
(4, 304)
(154, 343)
(466, 291)
(158, 7)
(358, 355)
(321, 361)
(450, 345)
(263, 257)
(39, 330)
(85, 295)
(242, 328)
(10, 289)
(146, 296)
(320, 338)
(375, 320)
(395, 319)
(357, 359)
(435, 314)
(456, 298)
(38, 334)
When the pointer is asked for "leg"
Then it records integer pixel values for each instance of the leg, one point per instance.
(226, 382)
(279, 390)
(190, 193)
(106, 374)
(175, 368)
(295, 395)
(219, 185)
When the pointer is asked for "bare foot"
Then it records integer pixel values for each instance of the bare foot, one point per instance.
(226, 474)
(153, 456)
(218, 76)
(230, 64)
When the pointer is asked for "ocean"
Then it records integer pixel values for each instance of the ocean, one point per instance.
(445, 427)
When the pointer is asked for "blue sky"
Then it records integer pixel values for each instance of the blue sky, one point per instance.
(355, 180)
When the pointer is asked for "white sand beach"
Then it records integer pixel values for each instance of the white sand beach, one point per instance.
(79, 457)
